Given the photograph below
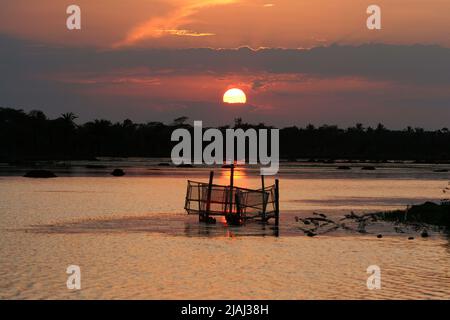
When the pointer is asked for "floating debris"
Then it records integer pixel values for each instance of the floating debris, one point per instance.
(419, 219)
(40, 174)
(118, 173)
(163, 164)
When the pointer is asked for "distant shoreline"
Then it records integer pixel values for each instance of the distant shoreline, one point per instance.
(334, 160)
(302, 169)
(34, 137)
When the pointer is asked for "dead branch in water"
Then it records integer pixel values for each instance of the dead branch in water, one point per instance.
(418, 218)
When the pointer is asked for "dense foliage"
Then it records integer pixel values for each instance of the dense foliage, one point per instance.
(29, 136)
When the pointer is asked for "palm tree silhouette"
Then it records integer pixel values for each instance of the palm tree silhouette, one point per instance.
(69, 117)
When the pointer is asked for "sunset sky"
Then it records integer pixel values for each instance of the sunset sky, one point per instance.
(298, 61)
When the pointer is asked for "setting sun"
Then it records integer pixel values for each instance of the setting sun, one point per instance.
(234, 96)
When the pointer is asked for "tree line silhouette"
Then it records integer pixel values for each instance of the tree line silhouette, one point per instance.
(33, 136)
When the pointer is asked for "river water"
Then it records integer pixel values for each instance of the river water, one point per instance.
(132, 240)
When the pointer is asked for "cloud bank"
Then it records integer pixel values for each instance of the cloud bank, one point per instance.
(395, 84)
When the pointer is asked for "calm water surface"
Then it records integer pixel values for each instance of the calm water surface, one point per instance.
(132, 240)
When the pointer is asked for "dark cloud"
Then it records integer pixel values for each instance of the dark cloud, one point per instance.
(417, 63)
(24, 66)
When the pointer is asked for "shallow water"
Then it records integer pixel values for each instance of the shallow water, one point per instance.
(132, 240)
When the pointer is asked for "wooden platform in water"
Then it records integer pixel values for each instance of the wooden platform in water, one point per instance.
(237, 204)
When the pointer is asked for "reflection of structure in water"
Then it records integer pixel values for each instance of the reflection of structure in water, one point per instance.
(192, 229)
(238, 205)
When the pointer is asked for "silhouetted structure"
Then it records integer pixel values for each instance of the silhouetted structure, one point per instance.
(236, 204)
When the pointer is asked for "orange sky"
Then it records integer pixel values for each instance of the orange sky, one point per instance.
(228, 23)
(132, 60)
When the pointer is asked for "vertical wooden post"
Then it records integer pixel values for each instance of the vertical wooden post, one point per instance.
(277, 203)
(264, 200)
(231, 188)
(238, 216)
(208, 199)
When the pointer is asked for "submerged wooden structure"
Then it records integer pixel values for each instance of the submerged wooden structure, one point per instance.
(238, 205)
